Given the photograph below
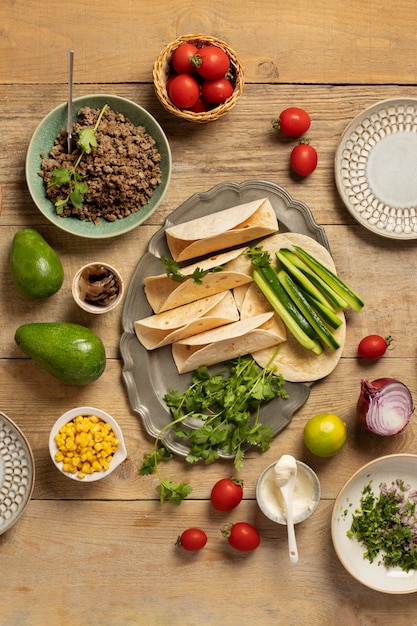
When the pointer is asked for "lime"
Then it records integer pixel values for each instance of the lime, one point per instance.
(325, 434)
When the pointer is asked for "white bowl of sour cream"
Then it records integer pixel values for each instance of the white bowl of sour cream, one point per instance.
(305, 499)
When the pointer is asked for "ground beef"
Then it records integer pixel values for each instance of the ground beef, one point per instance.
(122, 172)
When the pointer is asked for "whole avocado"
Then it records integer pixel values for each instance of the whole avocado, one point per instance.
(72, 353)
(35, 267)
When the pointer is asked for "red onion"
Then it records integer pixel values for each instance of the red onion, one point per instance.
(385, 406)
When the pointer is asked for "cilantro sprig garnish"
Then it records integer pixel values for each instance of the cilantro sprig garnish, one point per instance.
(224, 410)
(71, 177)
(259, 257)
(386, 525)
(173, 271)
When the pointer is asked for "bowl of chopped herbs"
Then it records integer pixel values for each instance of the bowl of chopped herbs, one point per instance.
(374, 524)
(110, 177)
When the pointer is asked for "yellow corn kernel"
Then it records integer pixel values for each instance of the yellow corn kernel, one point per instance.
(85, 445)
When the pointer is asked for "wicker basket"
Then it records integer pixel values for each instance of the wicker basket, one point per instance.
(162, 70)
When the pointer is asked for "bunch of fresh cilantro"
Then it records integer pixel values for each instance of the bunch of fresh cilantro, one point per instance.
(225, 409)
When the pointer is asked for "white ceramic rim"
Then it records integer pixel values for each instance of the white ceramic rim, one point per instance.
(91, 308)
(298, 518)
(119, 456)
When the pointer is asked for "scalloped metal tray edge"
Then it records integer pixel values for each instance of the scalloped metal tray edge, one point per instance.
(148, 375)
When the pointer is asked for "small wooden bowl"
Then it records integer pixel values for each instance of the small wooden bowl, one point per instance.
(162, 70)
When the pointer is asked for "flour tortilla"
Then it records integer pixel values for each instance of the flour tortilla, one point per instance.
(224, 343)
(165, 328)
(163, 293)
(221, 230)
(295, 363)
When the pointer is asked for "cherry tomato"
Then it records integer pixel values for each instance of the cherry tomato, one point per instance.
(211, 62)
(201, 106)
(373, 346)
(293, 122)
(304, 159)
(181, 58)
(242, 536)
(192, 539)
(226, 494)
(169, 81)
(184, 91)
(217, 90)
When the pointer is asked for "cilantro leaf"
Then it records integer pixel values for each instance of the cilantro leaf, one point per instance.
(71, 177)
(173, 492)
(219, 414)
(87, 139)
(259, 257)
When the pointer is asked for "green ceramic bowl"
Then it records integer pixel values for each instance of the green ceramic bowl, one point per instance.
(43, 140)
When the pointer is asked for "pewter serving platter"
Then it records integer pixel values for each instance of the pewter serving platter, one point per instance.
(17, 473)
(149, 375)
(376, 165)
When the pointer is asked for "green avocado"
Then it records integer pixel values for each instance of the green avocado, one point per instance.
(35, 267)
(72, 353)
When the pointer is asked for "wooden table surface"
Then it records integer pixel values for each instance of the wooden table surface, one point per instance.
(104, 554)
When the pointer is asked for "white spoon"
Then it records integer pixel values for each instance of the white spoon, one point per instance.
(285, 476)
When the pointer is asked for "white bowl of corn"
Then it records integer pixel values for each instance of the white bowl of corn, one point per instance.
(86, 444)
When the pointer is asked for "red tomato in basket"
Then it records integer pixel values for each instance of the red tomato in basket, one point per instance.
(182, 58)
(184, 91)
(211, 62)
(217, 91)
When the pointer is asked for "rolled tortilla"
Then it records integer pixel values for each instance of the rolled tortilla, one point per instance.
(222, 230)
(225, 343)
(163, 293)
(295, 363)
(165, 328)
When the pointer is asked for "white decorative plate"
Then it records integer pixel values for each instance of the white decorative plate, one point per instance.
(350, 551)
(376, 168)
(17, 473)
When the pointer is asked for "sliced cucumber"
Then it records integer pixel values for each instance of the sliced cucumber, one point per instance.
(326, 312)
(307, 310)
(333, 298)
(336, 283)
(267, 280)
(286, 259)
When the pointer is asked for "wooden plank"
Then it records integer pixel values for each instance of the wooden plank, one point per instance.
(296, 42)
(120, 560)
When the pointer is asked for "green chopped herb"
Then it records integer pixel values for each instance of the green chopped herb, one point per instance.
(173, 270)
(386, 525)
(224, 408)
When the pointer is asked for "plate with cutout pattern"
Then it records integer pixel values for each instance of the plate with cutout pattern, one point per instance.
(376, 166)
(17, 473)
